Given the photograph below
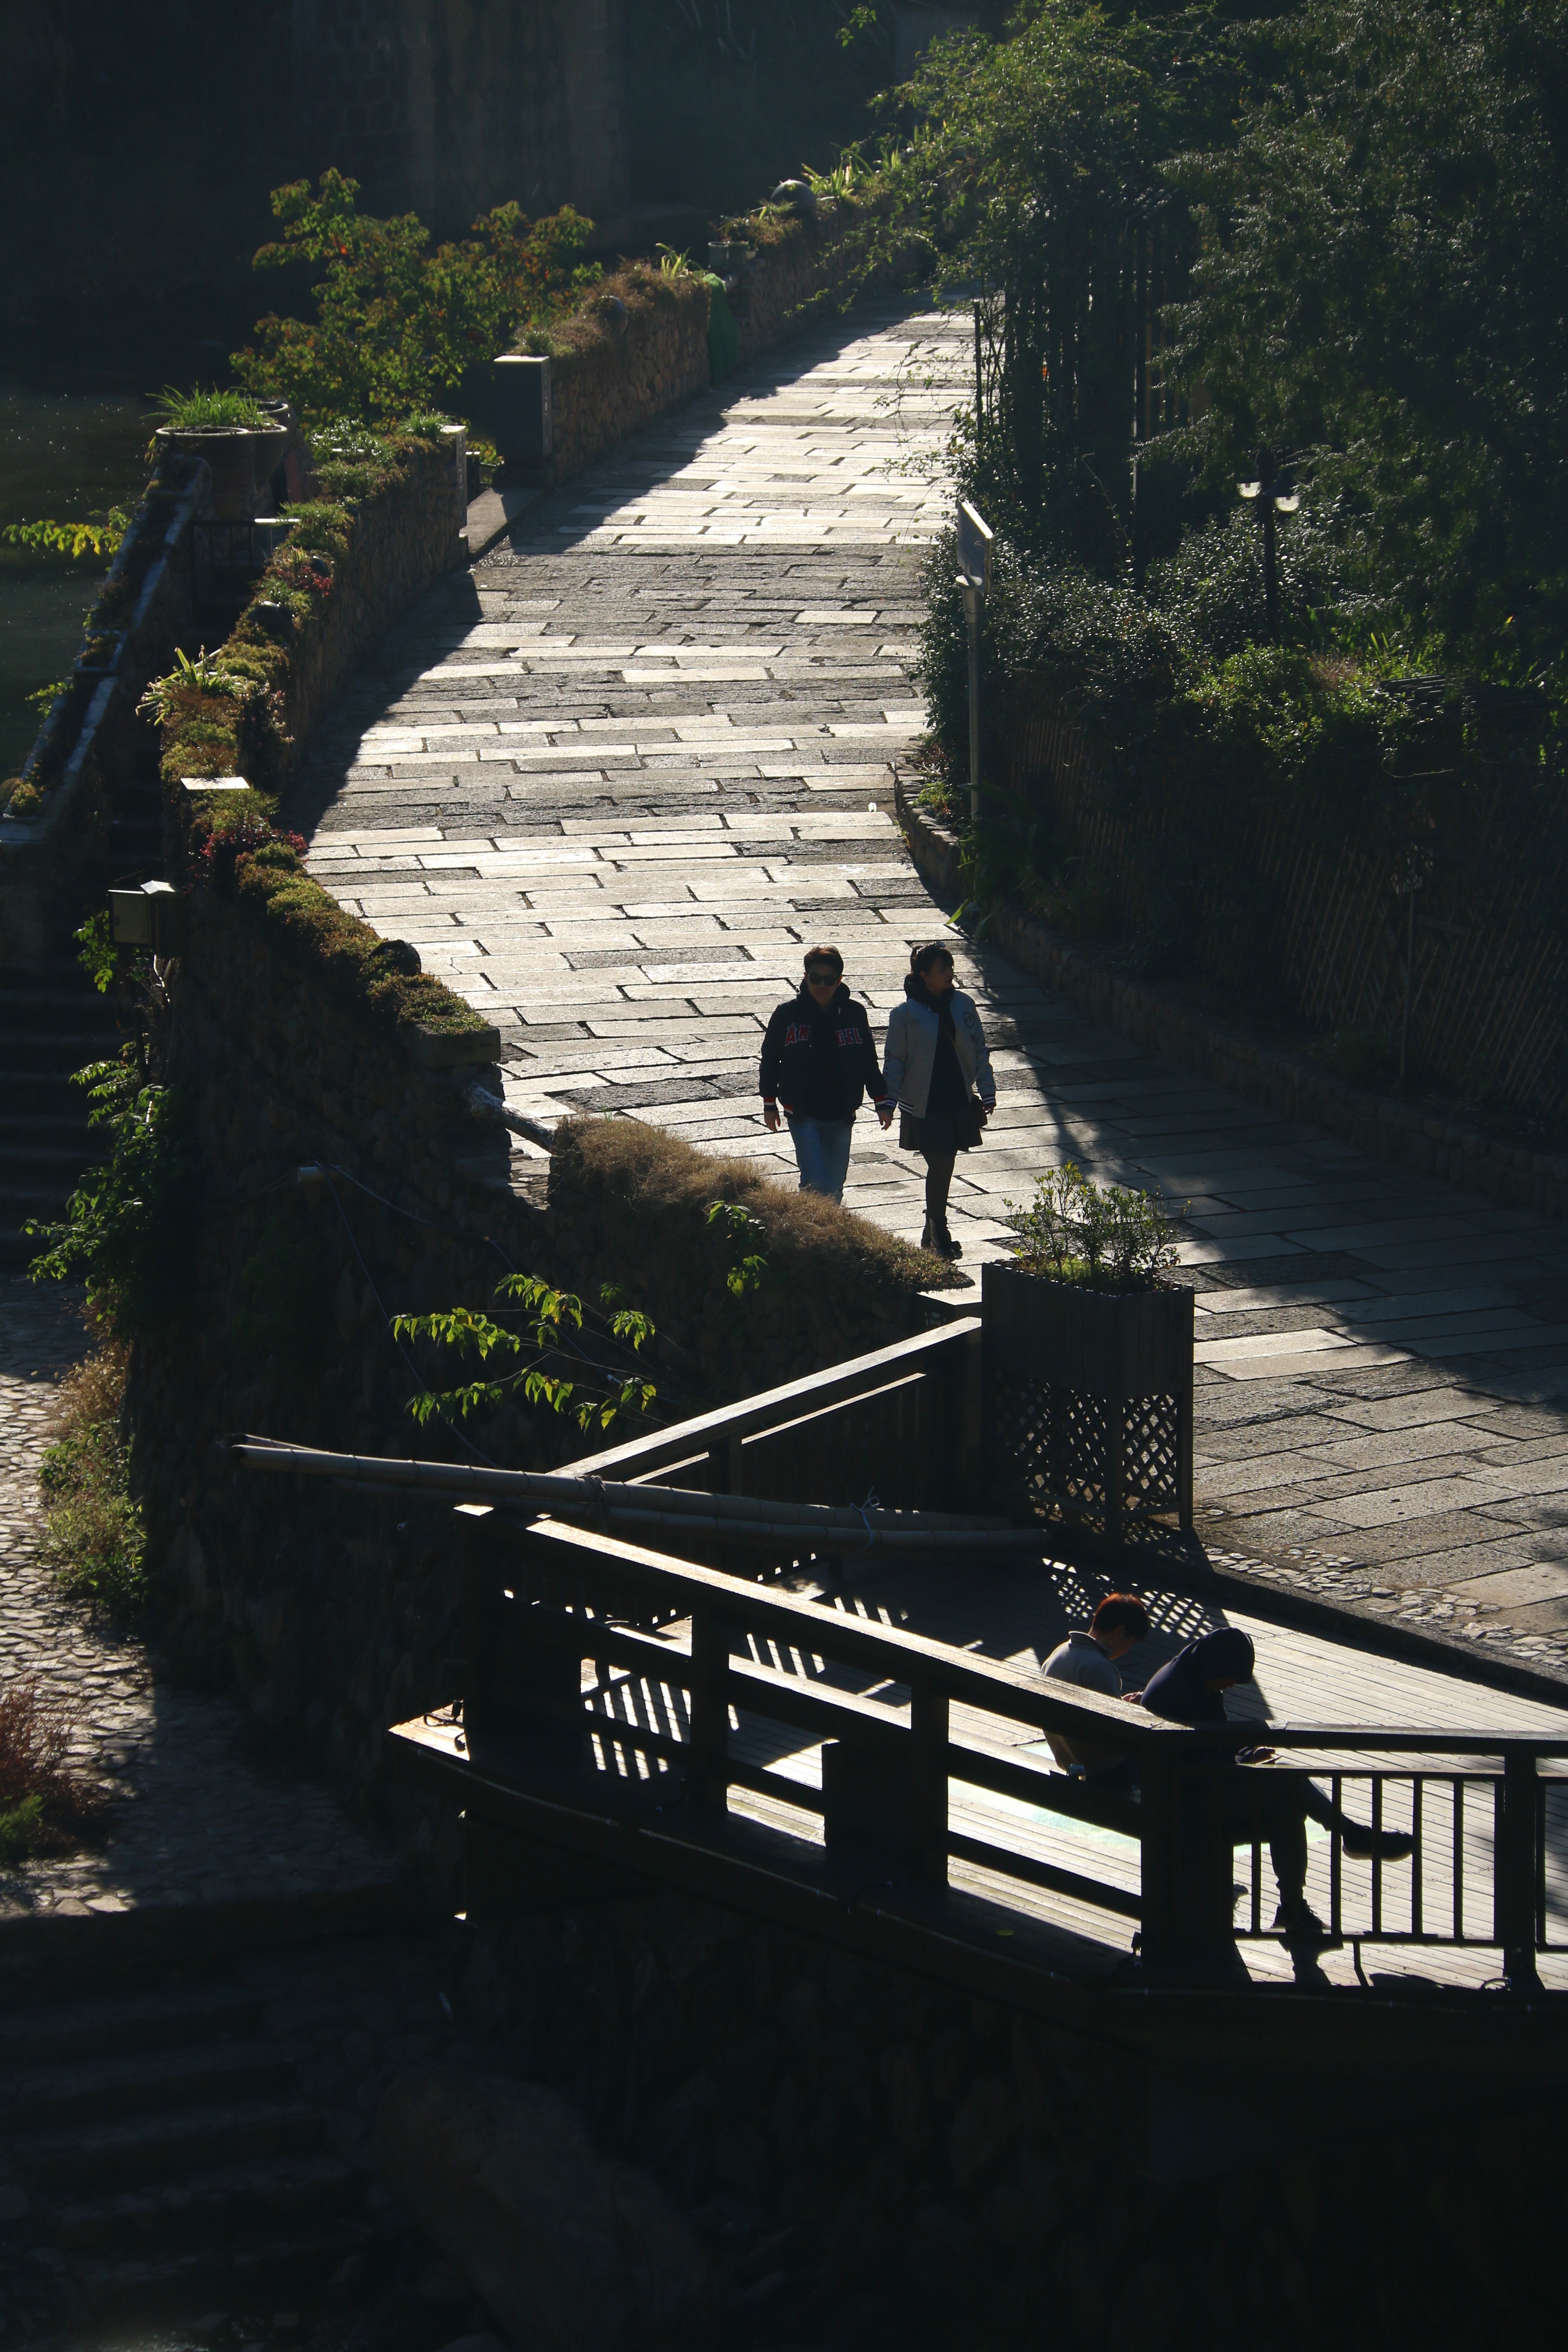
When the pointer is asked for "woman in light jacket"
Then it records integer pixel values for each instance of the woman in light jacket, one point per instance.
(939, 1073)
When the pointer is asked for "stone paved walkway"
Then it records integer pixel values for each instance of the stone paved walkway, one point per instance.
(615, 779)
(193, 1817)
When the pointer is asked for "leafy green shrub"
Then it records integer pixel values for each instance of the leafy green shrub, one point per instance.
(574, 1358)
(1102, 1236)
(98, 535)
(367, 973)
(21, 1831)
(93, 1531)
(1212, 589)
(398, 325)
(127, 1226)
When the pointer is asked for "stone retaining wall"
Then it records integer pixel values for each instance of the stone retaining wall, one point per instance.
(611, 373)
(403, 541)
(920, 2168)
(334, 1614)
(1273, 1075)
(54, 860)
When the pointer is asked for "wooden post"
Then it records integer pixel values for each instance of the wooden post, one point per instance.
(1115, 1472)
(1186, 1863)
(886, 1793)
(1514, 1859)
(927, 1791)
(1185, 1428)
(708, 1756)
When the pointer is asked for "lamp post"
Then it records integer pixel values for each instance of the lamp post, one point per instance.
(1409, 876)
(1274, 494)
(974, 539)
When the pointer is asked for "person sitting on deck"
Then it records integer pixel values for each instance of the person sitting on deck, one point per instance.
(1190, 1688)
(1090, 1660)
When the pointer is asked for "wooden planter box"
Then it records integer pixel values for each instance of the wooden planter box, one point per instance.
(1088, 1401)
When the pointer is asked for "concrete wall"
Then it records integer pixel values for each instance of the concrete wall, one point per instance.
(447, 107)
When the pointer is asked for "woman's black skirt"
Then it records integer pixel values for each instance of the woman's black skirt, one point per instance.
(941, 1133)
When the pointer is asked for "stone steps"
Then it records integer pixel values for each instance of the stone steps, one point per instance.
(52, 1023)
(163, 2155)
(284, 2189)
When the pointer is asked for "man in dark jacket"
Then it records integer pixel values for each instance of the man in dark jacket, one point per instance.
(819, 1061)
(1190, 1688)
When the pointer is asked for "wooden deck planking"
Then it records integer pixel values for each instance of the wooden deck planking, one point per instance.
(1017, 1615)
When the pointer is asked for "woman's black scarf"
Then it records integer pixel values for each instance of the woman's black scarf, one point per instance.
(915, 989)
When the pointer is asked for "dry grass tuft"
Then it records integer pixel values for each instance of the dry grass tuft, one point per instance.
(94, 1391)
(93, 1532)
(656, 1172)
(45, 1802)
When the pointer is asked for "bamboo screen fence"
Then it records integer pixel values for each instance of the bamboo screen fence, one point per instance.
(1479, 975)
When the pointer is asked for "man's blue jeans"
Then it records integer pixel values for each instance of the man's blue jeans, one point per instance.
(822, 1154)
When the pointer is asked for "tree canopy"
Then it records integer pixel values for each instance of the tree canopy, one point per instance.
(1380, 285)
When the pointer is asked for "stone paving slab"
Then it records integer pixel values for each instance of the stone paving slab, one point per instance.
(194, 1818)
(618, 848)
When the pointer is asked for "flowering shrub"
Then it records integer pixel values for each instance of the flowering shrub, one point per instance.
(221, 850)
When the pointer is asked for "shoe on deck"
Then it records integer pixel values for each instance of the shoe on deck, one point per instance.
(1300, 1929)
(1388, 1845)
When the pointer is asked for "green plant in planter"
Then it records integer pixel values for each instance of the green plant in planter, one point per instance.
(206, 410)
(1104, 1236)
(205, 675)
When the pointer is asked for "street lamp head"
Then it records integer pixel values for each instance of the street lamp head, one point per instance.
(1251, 489)
(1288, 503)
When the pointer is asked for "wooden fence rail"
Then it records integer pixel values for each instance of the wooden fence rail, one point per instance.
(607, 1676)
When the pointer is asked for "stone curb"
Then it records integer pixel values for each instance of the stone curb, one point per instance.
(1253, 1583)
(1285, 1083)
(70, 1946)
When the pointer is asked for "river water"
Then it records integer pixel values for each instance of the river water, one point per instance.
(62, 455)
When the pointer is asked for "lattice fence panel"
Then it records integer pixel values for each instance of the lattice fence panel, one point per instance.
(1055, 1442)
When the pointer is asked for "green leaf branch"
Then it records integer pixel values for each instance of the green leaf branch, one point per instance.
(550, 1359)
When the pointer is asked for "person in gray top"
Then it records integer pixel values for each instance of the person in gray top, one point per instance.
(938, 1073)
(1091, 1660)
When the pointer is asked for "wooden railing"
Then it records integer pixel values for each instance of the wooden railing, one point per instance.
(610, 1681)
(902, 1424)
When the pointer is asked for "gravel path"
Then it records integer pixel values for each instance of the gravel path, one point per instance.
(194, 1816)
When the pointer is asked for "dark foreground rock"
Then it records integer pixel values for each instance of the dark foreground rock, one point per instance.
(571, 2250)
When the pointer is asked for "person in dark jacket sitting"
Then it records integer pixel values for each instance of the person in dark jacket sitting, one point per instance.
(819, 1061)
(1190, 1688)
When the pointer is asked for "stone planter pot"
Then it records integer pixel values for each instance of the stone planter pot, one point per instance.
(1088, 1401)
(242, 462)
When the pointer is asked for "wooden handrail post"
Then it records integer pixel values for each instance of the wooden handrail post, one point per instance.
(1188, 1908)
(928, 1729)
(954, 1381)
(707, 1754)
(885, 1791)
(1185, 1431)
(477, 1586)
(1514, 1860)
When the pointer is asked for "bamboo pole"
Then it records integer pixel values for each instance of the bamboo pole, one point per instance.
(598, 1502)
